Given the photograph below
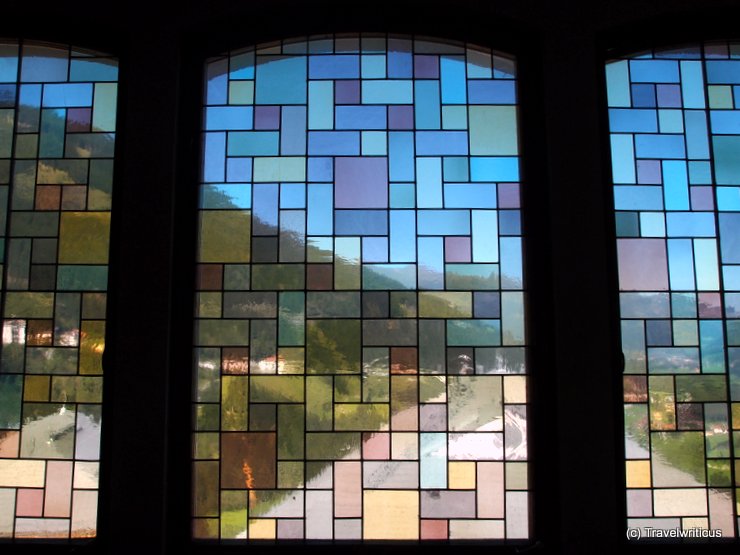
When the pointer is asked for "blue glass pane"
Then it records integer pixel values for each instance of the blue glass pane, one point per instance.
(722, 71)
(494, 169)
(638, 198)
(68, 95)
(660, 146)
(443, 222)
(333, 67)
(360, 222)
(441, 143)
(491, 92)
(452, 74)
(281, 80)
(401, 156)
(361, 117)
(654, 71)
(470, 195)
(633, 121)
(228, 118)
(333, 143)
(387, 92)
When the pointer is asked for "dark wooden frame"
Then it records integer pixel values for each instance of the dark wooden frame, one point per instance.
(576, 419)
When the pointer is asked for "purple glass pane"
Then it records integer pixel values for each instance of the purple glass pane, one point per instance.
(347, 92)
(361, 182)
(648, 172)
(457, 249)
(642, 265)
(267, 117)
(508, 195)
(669, 96)
(702, 198)
(400, 117)
(426, 67)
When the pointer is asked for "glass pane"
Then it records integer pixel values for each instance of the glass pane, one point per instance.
(57, 132)
(674, 117)
(360, 337)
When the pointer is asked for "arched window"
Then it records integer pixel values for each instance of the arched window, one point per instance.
(360, 332)
(674, 116)
(57, 129)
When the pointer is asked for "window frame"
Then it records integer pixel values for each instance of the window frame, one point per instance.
(143, 477)
(239, 46)
(698, 37)
(215, 43)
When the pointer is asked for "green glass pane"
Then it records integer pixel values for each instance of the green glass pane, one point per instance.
(333, 346)
(234, 406)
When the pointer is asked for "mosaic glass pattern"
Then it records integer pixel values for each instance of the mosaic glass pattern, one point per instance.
(360, 365)
(57, 124)
(674, 117)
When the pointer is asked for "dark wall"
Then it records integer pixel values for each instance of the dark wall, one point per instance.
(575, 358)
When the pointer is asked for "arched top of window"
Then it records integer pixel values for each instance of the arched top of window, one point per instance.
(348, 57)
(360, 362)
(40, 62)
(57, 133)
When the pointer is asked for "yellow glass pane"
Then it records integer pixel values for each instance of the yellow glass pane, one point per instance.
(391, 515)
(515, 389)
(262, 529)
(36, 388)
(461, 475)
(92, 345)
(17, 473)
(638, 474)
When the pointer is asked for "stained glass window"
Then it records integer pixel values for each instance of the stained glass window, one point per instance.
(57, 126)
(674, 117)
(360, 334)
